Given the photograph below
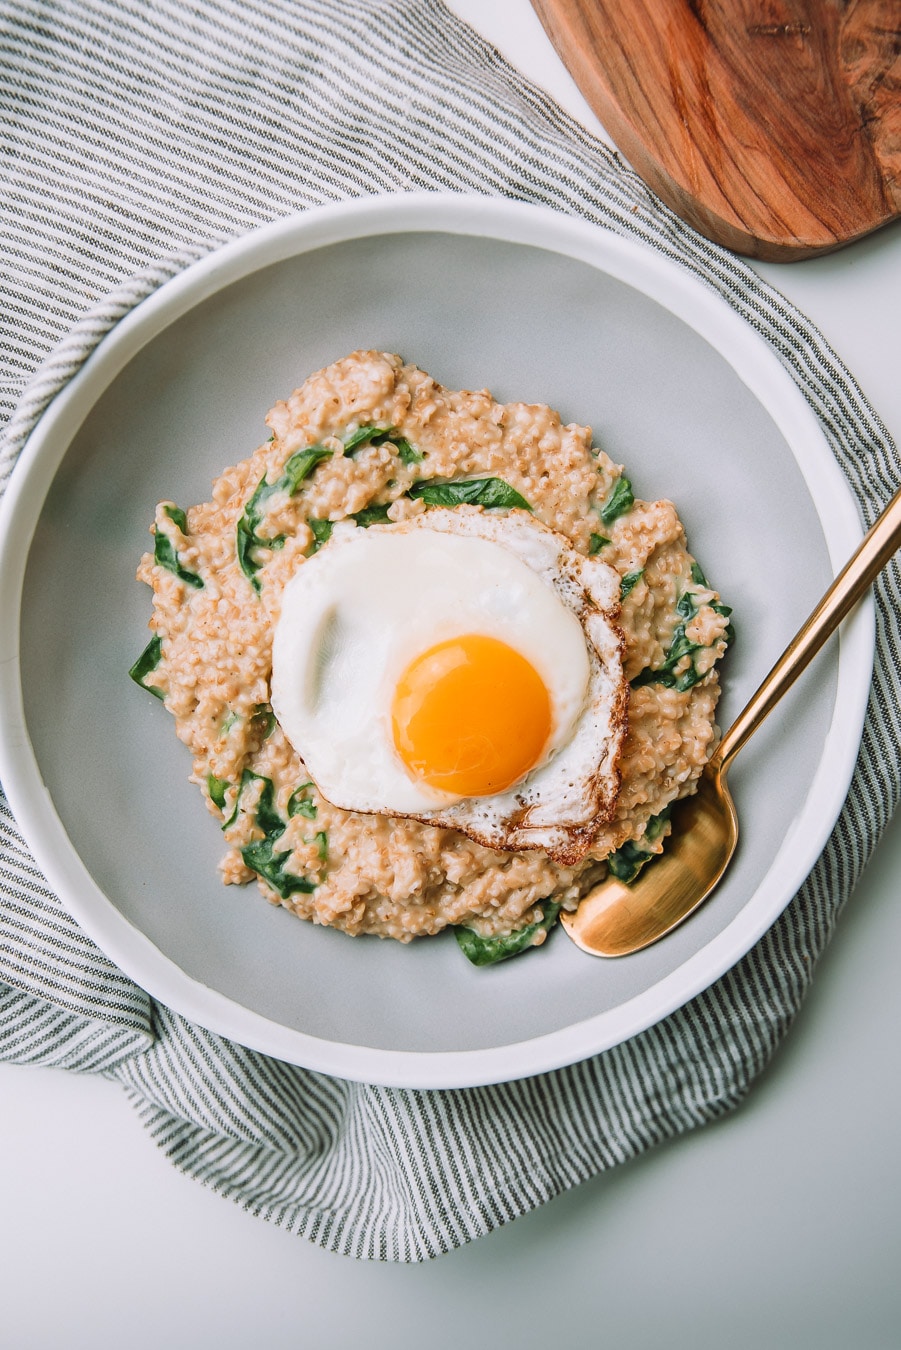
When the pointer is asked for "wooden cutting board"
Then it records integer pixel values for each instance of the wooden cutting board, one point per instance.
(771, 126)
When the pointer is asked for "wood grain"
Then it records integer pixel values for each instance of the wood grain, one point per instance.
(772, 126)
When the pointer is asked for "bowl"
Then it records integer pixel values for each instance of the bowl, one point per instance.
(480, 293)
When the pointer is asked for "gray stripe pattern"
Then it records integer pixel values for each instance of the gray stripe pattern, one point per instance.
(136, 135)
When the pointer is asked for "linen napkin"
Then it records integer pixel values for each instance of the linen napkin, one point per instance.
(136, 136)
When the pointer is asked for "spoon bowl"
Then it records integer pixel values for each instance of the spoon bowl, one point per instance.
(616, 917)
(620, 917)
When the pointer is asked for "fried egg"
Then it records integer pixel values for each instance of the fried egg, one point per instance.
(463, 668)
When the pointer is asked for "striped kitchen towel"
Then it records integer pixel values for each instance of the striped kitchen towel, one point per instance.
(137, 135)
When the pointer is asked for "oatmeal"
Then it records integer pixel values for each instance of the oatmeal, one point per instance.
(371, 440)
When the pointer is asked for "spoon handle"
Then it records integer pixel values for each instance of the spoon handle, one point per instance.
(858, 574)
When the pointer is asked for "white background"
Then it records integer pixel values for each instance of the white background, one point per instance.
(779, 1227)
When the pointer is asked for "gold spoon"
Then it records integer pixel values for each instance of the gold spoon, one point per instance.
(616, 917)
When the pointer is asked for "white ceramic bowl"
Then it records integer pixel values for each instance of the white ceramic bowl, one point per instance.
(479, 292)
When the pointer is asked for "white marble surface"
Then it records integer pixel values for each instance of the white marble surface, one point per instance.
(779, 1227)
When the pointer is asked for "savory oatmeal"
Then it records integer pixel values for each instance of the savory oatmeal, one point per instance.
(368, 447)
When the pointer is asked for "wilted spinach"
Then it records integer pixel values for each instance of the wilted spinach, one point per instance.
(247, 537)
(488, 492)
(629, 581)
(146, 663)
(376, 435)
(681, 646)
(619, 501)
(627, 861)
(164, 551)
(263, 856)
(487, 951)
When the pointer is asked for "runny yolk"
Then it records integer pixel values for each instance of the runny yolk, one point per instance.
(471, 716)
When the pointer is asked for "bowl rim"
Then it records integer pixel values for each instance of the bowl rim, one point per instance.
(629, 260)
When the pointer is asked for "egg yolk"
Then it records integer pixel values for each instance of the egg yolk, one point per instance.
(471, 716)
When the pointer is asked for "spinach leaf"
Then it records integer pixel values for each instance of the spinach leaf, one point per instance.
(619, 502)
(146, 663)
(164, 550)
(489, 492)
(246, 777)
(408, 453)
(630, 580)
(687, 605)
(262, 720)
(321, 841)
(217, 788)
(298, 467)
(487, 951)
(366, 435)
(299, 804)
(247, 537)
(375, 435)
(372, 515)
(680, 647)
(627, 861)
(322, 532)
(595, 543)
(266, 815)
(263, 855)
(270, 865)
(268, 819)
